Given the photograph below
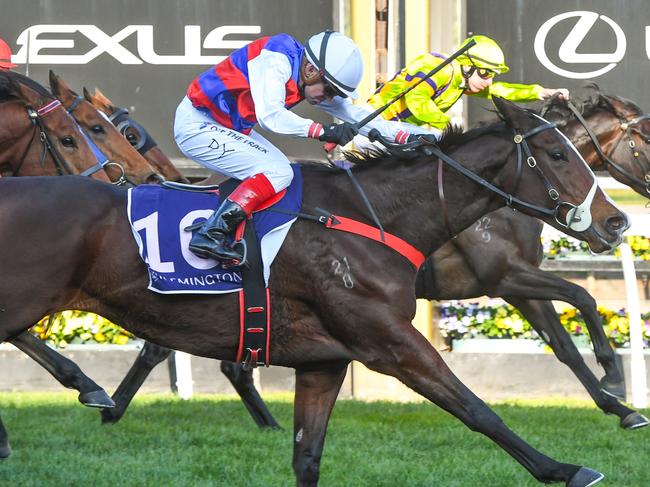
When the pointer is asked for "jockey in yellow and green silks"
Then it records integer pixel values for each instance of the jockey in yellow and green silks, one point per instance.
(472, 73)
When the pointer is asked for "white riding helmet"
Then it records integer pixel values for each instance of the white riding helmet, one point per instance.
(339, 60)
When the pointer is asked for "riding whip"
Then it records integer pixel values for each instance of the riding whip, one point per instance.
(330, 145)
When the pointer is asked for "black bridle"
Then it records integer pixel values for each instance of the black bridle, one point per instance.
(35, 115)
(123, 179)
(627, 127)
(520, 139)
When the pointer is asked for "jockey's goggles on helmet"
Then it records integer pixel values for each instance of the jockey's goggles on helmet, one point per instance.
(484, 73)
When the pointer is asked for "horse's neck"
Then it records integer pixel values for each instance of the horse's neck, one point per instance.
(405, 198)
(605, 134)
(15, 131)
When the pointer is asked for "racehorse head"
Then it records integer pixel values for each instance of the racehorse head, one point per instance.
(125, 163)
(558, 177)
(37, 136)
(613, 135)
(136, 134)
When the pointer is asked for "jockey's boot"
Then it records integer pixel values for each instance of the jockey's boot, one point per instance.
(211, 240)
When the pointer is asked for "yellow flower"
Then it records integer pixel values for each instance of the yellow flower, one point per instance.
(121, 339)
(99, 337)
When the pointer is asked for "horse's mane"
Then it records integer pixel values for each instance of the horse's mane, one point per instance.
(590, 100)
(7, 91)
(453, 136)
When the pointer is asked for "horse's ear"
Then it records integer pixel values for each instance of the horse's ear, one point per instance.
(514, 116)
(99, 96)
(54, 83)
(98, 100)
(26, 93)
(60, 88)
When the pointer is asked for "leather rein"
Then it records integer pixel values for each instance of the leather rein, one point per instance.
(520, 139)
(627, 127)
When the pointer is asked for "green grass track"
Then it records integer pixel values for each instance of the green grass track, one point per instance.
(211, 441)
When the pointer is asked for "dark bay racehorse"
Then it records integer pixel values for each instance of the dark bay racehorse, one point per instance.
(499, 256)
(136, 134)
(319, 323)
(125, 163)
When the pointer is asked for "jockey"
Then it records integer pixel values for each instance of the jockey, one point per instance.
(472, 73)
(5, 56)
(259, 83)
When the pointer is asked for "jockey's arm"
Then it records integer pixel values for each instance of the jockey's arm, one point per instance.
(268, 74)
(343, 109)
(512, 91)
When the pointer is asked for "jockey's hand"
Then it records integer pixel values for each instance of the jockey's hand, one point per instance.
(563, 93)
(427, 138)
(339, 133)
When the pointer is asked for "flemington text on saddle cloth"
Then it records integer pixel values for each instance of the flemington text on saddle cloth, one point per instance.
(158, 217)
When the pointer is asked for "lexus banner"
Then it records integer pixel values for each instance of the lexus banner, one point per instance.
(142, 55)
(565, 43)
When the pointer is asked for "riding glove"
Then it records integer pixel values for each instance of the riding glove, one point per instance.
(340, 133)
(427, 138)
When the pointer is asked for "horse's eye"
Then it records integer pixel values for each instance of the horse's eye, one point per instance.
(132, 138)
(97, 129)
(67, 141)
(558, 155)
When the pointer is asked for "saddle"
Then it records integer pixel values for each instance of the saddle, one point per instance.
(254, 299)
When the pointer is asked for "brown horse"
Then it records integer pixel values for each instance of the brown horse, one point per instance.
(37, 137)
(125, 163)
(136, 134)
(320, 324)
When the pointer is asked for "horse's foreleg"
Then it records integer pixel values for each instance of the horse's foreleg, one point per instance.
(316, 392)
(612, 383)
(405, 354)
(150, 356)
(5, 449)
(242, 381)
(533, 283)
(64, 370)
(543, 318)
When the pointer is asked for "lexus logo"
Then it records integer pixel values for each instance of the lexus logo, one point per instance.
(567, 52)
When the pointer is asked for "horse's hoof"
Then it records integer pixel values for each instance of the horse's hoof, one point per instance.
(634, 421)
(96, 399)
(5, 451)
(614, 389)
(585, 477)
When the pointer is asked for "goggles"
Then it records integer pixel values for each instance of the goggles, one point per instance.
(485, 73)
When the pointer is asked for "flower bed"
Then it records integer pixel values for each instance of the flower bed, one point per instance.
(562, 247)
(499, 320)
(80, 327)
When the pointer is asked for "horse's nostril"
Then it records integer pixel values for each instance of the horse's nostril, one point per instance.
(617, 223)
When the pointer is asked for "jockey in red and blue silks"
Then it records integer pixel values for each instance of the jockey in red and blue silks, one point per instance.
(259, 83)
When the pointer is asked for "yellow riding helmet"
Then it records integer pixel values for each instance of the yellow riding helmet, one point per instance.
(484, 54)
